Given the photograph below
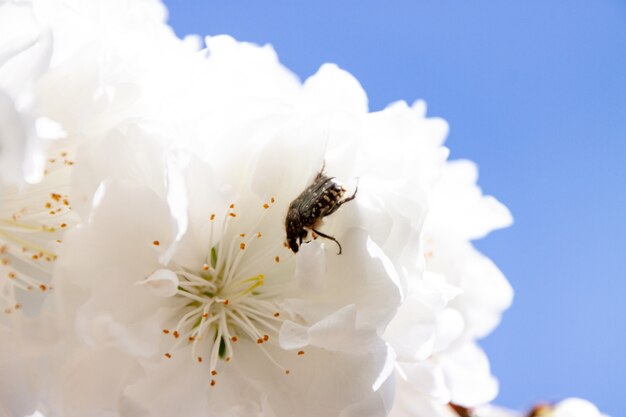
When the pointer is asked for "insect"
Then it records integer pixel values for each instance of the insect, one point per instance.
(320, 199)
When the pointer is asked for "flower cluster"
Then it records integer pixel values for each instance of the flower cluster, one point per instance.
(144, 267)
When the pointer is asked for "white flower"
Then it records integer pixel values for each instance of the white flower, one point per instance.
(461, 213)
(205, 297)
(451, 368)
(57, 90)
(175, 295)
(49, 73)
(229, 312)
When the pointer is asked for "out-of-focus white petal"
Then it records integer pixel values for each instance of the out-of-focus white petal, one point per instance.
(13, 142)
(495, 411)
(575, 407)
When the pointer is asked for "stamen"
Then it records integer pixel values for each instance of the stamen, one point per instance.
(222, 301)
(257, 282)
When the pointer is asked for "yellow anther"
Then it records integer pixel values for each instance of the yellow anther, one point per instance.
(257, 282)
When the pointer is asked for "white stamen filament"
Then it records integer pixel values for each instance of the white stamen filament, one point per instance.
(225, 299)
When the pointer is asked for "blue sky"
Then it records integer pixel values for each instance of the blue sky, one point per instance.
(535, 93)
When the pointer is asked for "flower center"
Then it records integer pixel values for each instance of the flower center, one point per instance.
(32, 222)
(234, 294)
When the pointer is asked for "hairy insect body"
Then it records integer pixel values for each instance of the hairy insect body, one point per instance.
(322, 198)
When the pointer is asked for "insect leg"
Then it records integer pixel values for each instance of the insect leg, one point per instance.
(329, 237)
(345, 200)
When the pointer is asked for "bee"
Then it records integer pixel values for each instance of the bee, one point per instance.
(320, 199)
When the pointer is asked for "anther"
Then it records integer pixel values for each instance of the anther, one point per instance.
(300, 352)
(168, 355)
(176, 334)
(277, 259)
(156, 243)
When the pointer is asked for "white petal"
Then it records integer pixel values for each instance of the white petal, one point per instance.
(310, 272)
(364, 274)
(18, 378)
(460, 208)
(333, 87)
(118, 247)
(427, 379)
(91, 382)
(468, 375)
(163, 283)
(13, 141)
